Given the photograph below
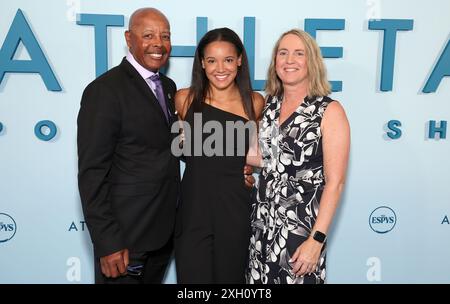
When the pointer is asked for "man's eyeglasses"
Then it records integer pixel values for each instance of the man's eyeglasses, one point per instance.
(135, 270)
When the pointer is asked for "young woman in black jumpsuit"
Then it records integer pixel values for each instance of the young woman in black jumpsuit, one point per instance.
(213, 221)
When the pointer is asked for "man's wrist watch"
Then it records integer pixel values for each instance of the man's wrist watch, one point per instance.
(319, 236)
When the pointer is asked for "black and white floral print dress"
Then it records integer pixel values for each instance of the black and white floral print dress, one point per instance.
(288, 191)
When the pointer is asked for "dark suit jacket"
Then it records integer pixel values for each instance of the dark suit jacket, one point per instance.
(128, 178)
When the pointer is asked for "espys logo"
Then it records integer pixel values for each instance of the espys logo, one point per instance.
(7, 227)
(382, 219)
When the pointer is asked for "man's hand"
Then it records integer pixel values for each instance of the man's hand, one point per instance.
(249, 179)
(115, 264)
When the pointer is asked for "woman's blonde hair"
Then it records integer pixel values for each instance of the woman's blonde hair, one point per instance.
(317, 73)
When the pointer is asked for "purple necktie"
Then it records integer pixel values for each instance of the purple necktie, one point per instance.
(160, 94)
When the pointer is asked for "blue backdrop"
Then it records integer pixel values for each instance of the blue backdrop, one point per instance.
(389, 62)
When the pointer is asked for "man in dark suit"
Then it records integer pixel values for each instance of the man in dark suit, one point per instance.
(128, 178)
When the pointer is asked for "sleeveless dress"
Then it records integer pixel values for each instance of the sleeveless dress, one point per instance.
(213, 219)
(288, 191)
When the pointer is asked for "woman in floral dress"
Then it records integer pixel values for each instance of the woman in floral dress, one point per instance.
(304, 141)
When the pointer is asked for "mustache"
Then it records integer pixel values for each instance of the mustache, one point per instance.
(162, 50)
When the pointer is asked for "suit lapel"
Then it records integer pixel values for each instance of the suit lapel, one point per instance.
(143, 88)
(169, 98)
